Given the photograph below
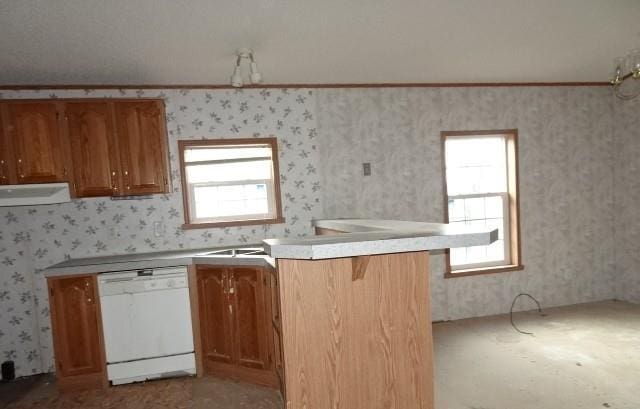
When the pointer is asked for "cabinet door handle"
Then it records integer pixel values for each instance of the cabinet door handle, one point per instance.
(20, 171)
(230, 309)
(114, 184)
(126, 175)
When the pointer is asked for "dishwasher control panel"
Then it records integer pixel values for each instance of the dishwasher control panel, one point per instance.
(137, 281)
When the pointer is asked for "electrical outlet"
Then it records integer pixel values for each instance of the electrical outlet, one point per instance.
(158, 228)
(366, 169)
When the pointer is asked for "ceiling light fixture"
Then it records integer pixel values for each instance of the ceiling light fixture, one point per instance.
(626, 75)
(254, 75)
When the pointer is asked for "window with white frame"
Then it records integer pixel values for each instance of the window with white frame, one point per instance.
(481, 188)
(230, 181)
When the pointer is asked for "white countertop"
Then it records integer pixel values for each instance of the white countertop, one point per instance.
(368, 236)
(362, 237)
(141, 261)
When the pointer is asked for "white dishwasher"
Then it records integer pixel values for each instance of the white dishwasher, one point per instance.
(146, 319)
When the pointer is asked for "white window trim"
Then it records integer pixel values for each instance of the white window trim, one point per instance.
(505, 228)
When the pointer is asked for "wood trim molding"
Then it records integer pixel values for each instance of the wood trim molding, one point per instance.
(272, 141)
(19, 87)
(513, 188)
(191, 226)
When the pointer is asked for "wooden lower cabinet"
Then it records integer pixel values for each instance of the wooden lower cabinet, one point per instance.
(77, 332)
(233, 310)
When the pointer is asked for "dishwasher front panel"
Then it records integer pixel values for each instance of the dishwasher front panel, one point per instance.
(150, 324)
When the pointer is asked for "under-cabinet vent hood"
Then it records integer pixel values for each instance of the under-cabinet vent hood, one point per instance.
(36, 194)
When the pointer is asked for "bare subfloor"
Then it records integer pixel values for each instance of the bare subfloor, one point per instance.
(582, 356)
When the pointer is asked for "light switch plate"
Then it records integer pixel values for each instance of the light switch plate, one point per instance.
(366, 169)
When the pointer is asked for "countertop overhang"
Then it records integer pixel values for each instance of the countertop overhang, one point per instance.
(369, 236)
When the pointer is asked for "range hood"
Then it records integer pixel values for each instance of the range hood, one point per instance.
(36, 194)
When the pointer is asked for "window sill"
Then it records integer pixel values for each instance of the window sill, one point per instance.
(190, 226)
(482, 271)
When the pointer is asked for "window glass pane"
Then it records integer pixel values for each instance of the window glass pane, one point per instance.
(235, 200)
(258, 170)
(474, 208)
(494, 207)
(458, 256)
(484, 212)
(456, 210)
(476, 165)
(495, 251)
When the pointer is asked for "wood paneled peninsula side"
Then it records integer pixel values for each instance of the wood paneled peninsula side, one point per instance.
(354, 318)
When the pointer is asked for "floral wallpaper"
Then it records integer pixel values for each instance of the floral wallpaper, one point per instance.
(566, 177)
(33, 238)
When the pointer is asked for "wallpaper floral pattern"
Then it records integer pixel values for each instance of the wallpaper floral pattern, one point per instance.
(566, 178)
(33, 238)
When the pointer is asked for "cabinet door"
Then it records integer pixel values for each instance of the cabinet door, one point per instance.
(93, 143)
(213, 308)
(37, 145)
(278, 358)
(4, 154)
(76, 328)
(142, 143)
(250, 320)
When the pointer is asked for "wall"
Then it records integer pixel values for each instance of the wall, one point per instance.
(32, 238)
(627, 199)
(566, 176)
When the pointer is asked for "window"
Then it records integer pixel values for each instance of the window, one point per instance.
(481, 187)
(229, 182)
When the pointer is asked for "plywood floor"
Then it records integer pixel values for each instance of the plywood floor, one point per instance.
(583, 356)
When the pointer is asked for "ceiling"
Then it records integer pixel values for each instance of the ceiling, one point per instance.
(323, 41)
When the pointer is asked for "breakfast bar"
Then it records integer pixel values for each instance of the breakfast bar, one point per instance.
(355, 312)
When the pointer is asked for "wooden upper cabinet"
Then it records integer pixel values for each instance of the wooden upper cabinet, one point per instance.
(215, 320)
(250, 320)
(142, 142)
(105, 147)
(94, 148)
(75, 319)
(34, 132)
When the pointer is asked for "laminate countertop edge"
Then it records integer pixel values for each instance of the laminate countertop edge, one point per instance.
(372, 236)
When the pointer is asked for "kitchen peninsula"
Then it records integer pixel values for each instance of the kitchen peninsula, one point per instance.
(347, 311)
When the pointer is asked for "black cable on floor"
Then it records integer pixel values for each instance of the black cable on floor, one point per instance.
(513, 304)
